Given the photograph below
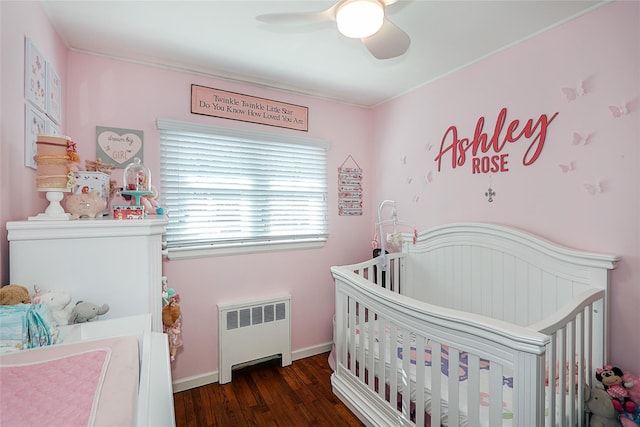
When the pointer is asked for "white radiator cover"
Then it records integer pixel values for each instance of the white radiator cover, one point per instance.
(252, 330)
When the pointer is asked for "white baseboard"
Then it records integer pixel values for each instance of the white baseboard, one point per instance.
(188, 383)
(195, 381)
(311, 351)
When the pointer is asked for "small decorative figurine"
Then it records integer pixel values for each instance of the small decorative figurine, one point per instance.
(136, 183)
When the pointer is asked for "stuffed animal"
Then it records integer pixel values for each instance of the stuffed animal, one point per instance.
(172, 326)
(611, 379)
(632, 419)
(58, 303)
(86, 312)
(170, 313)
(171, 319)
(629, 419)
(634, 392)
(14, 294)
(150, 202)
(599, 404)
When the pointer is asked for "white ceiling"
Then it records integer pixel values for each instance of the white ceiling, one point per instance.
(223, 39)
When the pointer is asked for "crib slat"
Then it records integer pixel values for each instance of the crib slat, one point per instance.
(393, 363)
(589, 342)
(372, 335)
(436, 352)
(379, 273)
(571, 374)
(382, 346)
(454, 382)
(580, 361)
(406, 372)
(351, 347)
(562, 374)
(361, 336)
(473, 389)
(495, 392)
(420, 375)
(551, 363)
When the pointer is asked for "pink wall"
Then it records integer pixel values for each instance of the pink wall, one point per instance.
(17, 182)
(603, 49)
(104, 92)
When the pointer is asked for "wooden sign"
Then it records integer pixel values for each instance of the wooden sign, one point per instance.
(118, 146)
(229, 105)
(349, 189)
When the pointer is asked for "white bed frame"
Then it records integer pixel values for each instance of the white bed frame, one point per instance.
(155, 394)
(500, 294)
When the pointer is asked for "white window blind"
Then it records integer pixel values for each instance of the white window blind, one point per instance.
(227, 189)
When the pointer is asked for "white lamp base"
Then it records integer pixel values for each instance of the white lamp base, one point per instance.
(55, 211)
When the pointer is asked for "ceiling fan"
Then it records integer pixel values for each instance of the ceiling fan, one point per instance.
(362, 19)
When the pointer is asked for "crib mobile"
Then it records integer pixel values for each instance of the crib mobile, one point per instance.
(394, 238)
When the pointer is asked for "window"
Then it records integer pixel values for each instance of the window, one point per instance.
(234, 191)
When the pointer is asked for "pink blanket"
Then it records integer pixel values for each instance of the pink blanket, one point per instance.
(88, 383)
(75, 381)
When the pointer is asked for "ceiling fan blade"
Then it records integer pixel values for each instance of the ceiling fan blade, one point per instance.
(298, 18)
(389, 42)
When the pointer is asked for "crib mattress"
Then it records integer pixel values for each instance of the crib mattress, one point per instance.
(89, 383)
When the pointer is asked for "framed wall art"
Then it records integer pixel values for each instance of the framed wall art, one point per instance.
(35, 123)
(119, 146)
(54, 94)
(35, 76)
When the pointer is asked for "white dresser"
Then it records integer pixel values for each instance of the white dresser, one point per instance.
(103, 261)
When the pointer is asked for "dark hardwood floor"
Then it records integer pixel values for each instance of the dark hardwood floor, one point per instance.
(267, 395)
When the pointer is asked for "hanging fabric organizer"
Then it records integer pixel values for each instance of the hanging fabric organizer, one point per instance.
(349, 188)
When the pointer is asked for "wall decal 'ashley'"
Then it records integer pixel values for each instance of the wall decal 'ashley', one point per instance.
(486, 153)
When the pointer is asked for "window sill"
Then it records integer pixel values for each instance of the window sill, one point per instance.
(241, 249)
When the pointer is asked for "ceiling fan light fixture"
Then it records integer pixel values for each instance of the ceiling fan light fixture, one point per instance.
(360, 18)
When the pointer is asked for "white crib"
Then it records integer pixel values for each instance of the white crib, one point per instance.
(519, 322)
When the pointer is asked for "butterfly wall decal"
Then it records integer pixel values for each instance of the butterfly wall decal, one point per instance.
(594, 189)
(619, 111)
(572, 93)
(578, 139)
(567, 168)
(403, 160)
(428, 177)
(625, 108)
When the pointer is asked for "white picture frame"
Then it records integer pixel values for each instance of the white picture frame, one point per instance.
(35, 76)
(54, 94)
(34, 123)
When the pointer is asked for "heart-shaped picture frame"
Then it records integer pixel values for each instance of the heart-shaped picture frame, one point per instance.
(119, 146)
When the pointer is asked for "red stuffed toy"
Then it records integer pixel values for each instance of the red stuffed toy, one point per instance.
(611, 379)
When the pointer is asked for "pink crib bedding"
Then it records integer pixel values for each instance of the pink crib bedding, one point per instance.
(89, 383)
